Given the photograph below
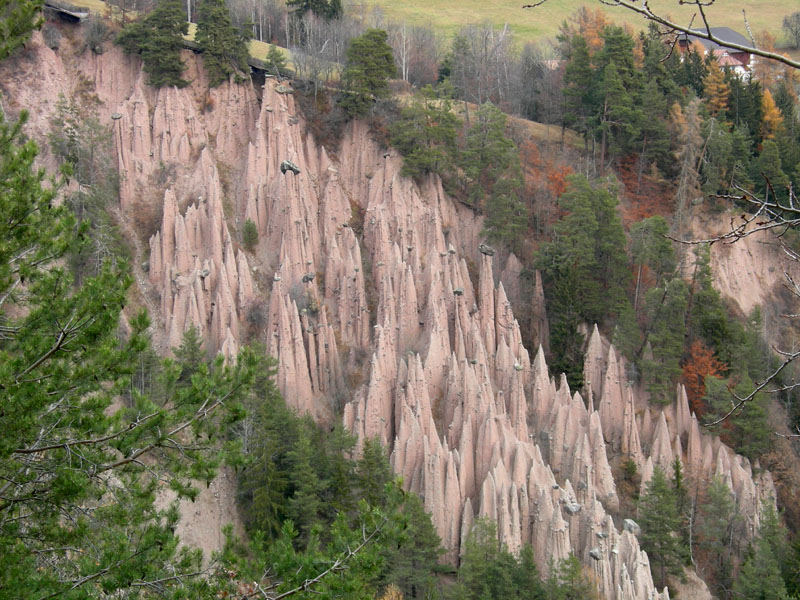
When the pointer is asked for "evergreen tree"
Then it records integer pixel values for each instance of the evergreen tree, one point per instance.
(366, 75)
(372, 472)
(304, 504)
(714, 535)
(760, 575)
(771, 175)
(660, 522)
(492, 176)
(425, 134)
(488, 571)
(578, 86)
(585, 270)
(652, 128)
(692, 72)
(67, 444)
(652, 249)
(665, 312)
(224, 47)
(568, 581)
(276, 61)
(618, 117)
(189, 356)
(747, 430)
(717, 165)
(410, 561)
(17, 21)
(249, 235)
(158, 39)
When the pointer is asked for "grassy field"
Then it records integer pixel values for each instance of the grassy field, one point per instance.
(539, 23)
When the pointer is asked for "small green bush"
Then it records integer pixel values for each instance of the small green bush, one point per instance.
(249, 235)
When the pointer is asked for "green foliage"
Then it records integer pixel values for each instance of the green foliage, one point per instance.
(366, 75)
(491, 176)
(275, 61)
(249, 235)
(77, 517)
(425, 134)
(224, 46)
(665, 314)
(660, 523)
(17, 21)
(748, 430)
(715, 535)
(489, 571)
(578, 85)
(651, 248)
(306, 499)
(568, 581)
(760, 575)
(585, 268)
(158, 38)
(410, 560)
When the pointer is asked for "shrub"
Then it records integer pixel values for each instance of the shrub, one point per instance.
(249, 235)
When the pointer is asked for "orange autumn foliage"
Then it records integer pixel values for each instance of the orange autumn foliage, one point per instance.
(644, 196)
(698, 365)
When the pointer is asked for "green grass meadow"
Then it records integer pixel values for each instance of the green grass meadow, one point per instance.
(534, 24)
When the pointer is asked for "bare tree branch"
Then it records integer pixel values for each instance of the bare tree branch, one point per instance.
(643, 8)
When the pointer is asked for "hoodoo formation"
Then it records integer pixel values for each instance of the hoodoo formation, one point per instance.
(404, 326)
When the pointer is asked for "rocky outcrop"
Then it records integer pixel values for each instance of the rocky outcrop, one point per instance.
(375, 299)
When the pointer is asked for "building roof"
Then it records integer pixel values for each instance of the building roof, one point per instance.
(725, 34)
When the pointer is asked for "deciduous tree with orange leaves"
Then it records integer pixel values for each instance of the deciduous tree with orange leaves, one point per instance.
(699, 364)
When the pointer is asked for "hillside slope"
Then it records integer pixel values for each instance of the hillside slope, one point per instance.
(372, 293)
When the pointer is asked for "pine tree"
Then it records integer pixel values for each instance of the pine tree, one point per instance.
(650, 248)
(714, 534)
(760, 575)
(158, 38)
(372, 472)
(224, 47)
(665, 313)
(304, 504)
(17, 21)
(618, 117)
(276, 61)
(770, 172)
(578, 86)
(568, 581)
(660, 522)
(425, 134)
(366, 75)
(411, 560)
(67, 444)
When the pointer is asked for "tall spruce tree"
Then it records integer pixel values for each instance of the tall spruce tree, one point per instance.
(17, 21)
(366, 75)
(158, 39)
(660, 523)
(77, 513)
(224, 46)
(714, 536)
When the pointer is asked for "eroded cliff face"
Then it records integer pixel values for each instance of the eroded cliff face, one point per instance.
(377, 303)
